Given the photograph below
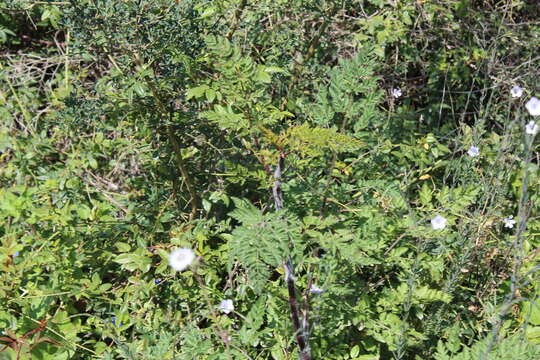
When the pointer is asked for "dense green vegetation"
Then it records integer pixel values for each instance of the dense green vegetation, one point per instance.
(355, 179)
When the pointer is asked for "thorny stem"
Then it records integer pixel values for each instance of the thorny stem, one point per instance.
(301, 329)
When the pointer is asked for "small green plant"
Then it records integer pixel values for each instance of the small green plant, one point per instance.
(269, 180)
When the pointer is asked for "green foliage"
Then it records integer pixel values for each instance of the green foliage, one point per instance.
(316, 141)
(510, 348)
(134, 127)
(262, 242)
(239, 91)
(350, 97)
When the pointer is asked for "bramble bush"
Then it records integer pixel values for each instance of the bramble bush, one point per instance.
(269, 180)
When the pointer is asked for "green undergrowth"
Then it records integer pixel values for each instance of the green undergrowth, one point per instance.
(362, 165)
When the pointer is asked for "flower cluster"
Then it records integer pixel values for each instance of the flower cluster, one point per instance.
(532, 106)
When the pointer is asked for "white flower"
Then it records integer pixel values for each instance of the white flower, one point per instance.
(180, 259)
(531, 128)
(473, 151)
(438, 222)
(533, 106)
(516, 91)
(226, 306)
(315, 289)
(508, 222)
(397, 93)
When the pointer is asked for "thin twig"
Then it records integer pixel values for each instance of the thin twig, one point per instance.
(222, 334)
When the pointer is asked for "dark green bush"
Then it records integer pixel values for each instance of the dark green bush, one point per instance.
(300, 148)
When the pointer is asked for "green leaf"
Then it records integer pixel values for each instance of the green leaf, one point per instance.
(355, 351)
(207, 205)
(123, 247)
(426, 295)
(45, 15)
(196, 92)
(84, 211)
(425, 195)
(139, 89)
(210, 95)
(126, 258)
(262, 76)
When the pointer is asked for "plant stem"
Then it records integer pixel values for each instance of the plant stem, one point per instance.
(222, 334)
(517, 247)
(301, 329)
(236, 18)
(177, 150)
(310, 49)
(180, 164)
